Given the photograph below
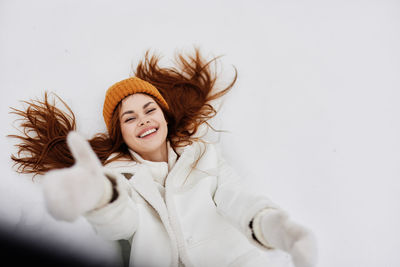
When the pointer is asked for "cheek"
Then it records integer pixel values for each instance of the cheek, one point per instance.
(160, 118)
(127, 131)
(163, 122)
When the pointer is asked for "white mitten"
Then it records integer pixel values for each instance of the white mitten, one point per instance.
(274, 229)
(70, 192)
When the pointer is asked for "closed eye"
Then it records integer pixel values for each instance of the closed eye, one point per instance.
(130, 119)
(150, 110)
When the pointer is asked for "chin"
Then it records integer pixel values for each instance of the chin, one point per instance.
(149, 146)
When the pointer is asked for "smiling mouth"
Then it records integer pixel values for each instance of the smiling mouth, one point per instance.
(148, 132)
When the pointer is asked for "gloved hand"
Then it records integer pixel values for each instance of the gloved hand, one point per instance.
(274, 229)
(70, 192)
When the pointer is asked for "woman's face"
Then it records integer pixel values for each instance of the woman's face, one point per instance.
(143, 125)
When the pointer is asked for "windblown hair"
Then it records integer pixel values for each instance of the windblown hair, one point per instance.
(189, 88)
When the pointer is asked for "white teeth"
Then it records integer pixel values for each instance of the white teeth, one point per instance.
(147, 132)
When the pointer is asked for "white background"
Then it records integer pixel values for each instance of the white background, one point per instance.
(313, 118)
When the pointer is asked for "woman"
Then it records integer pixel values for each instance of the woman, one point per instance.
(152, 181)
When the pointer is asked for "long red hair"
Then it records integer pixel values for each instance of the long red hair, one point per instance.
(188, 87)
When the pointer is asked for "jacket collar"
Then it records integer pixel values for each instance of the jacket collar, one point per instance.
(189, 155)
(176, 172)
(158, 170)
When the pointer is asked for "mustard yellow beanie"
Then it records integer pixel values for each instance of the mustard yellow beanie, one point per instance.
(124, 88)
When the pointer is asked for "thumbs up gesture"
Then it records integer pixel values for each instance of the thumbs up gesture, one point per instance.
(70, 192)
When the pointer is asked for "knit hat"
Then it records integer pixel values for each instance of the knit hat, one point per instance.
(124, 88)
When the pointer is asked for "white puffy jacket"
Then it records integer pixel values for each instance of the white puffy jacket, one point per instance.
(174, 214)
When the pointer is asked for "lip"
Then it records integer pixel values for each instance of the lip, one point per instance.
(145, 130)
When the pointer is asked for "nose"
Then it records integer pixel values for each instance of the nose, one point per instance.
(143, 122)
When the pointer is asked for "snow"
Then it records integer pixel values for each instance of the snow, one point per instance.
(313, 119)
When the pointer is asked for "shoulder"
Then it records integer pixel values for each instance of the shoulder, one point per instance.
(206, 154)
(120, 163)
(200, 148)
(124, 166)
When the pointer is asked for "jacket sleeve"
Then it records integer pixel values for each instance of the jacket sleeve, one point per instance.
(118, 219)
(236, 203)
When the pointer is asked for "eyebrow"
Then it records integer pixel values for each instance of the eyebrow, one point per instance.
(131, 111)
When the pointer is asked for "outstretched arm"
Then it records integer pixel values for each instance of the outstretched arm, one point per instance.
(90, 190)
(262, 220)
